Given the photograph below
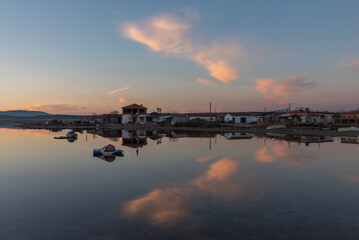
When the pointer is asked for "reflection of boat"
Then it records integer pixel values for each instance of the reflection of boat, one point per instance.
(109, 158)
(70, 136)
(348, 129)
(276, 127)
(108, 150)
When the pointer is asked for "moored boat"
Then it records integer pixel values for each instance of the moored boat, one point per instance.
(108, 150)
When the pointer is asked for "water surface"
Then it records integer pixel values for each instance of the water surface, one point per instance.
(182, 186)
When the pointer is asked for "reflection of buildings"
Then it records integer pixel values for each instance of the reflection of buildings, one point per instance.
(349, 140)
(189, 134)
(309, 139)
(111, 134)
(134, 138)
(237, 135)
(299, 138)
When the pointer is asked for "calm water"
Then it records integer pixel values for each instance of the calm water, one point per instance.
(185, 186)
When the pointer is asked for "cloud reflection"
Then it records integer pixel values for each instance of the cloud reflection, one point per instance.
(275, 152)
(168, 204)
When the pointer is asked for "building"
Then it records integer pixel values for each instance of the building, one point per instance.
(350, 117)
(306, 118)
(209, 117)
(134, 114)
(109, 119)
(241, 118)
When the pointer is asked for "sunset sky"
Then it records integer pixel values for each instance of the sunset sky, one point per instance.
(84, 57)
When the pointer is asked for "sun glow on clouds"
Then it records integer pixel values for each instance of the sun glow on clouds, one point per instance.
(171, 35)
(274, 88)
(52, 108)
(122, 100)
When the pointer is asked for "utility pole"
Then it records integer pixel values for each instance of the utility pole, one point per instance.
(210, 107)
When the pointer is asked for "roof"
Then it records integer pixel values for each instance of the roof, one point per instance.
(201, 115)
(134, 106)
(308, 113)
(238, 114)
(110, 116)
(352, 112)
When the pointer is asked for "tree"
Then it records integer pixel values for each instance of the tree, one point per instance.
(114, 112)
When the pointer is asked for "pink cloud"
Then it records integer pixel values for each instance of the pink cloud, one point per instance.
(161, 34)
(52, 108)
(274, 88)
(171, 35)
(217, 58)
(351, 62)
(205, 81)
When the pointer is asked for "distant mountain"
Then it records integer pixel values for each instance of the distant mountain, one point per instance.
(23, 113)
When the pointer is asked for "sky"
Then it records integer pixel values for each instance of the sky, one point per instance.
(85, 57)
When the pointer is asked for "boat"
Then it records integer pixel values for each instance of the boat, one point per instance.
(276, 127)
(108, 150)
(349, 129)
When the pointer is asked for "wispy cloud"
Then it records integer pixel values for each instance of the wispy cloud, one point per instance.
(171, 35)
(118, 90)
(274, 88)
(205, 81)
(351, 62)
(205, 158)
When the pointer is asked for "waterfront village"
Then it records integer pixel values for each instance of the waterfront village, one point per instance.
(137, 115)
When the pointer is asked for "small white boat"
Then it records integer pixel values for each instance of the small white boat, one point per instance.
(108, 150)
(348, 129)
(276, 127)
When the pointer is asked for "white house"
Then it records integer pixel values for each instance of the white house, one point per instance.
(134, 114)
(240, 118)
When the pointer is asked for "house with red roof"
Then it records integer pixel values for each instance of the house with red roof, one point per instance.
(350, 117)
(134, 114)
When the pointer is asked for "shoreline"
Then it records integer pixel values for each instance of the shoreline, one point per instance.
(287, 131)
